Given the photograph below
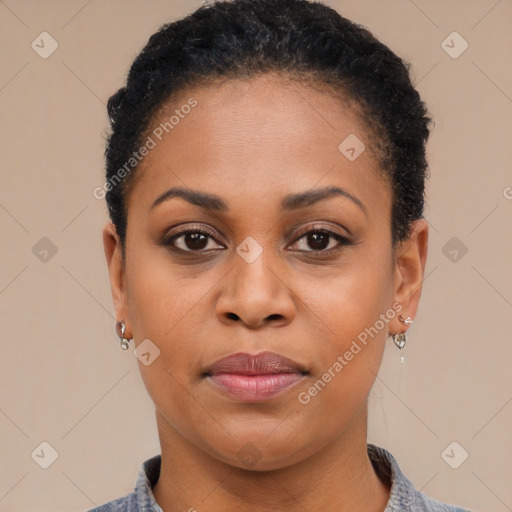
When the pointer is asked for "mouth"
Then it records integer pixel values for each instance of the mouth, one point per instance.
(255, 377)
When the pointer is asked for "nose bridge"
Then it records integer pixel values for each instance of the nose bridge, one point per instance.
(254, 291)
(253, 269)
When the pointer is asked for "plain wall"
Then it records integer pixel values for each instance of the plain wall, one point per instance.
(64, 379)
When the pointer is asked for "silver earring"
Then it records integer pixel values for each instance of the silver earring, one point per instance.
(405, 321)
(120, 330)
(400, 339)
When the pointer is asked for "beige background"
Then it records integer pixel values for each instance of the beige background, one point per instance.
(64, 379)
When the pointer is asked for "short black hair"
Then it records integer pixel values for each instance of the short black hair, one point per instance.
(301, 39)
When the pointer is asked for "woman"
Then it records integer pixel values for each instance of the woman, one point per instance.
(265, 183)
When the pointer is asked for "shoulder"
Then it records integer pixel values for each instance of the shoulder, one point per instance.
(424, 503)
(127, 503)
(403, 495)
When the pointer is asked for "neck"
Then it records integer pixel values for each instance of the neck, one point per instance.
(339, 478)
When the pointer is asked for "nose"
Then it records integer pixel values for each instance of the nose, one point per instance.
(255, 295)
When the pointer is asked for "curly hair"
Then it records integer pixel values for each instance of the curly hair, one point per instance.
(302, 39)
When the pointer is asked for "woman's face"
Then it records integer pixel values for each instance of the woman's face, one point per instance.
(251, 254)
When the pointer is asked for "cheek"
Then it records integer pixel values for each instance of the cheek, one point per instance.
(160, 302)
(352, 298)
(354, 307)
(346, 366)
(164, 309)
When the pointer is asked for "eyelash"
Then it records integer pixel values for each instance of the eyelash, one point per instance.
(342, 240)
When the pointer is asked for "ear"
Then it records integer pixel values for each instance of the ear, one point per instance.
(116, 270)
(410, 260)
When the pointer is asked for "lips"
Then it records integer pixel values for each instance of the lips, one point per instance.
(254, 377)
(264, 363)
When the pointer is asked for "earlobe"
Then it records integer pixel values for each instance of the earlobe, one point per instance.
(410, 261)
(113, 255)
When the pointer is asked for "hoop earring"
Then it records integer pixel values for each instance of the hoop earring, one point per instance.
(120, 330)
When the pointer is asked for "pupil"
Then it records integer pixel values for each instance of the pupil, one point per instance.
(318, 241)
(195, 240)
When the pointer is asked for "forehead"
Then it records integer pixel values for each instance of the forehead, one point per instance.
(269, 106)
(267, 133)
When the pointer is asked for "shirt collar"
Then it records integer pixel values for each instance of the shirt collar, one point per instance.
(402, 494)
(146, 480)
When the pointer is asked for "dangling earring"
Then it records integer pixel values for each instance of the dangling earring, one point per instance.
(120, 330)
(400, 338)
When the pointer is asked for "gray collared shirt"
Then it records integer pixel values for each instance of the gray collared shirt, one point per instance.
(403, 496)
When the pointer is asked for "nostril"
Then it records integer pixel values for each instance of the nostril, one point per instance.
(274, 317)
(233, 316)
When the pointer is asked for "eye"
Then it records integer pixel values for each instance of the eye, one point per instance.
(320, 240)
(198, 240)
(193, 240)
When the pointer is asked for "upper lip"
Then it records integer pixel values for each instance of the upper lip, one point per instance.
(264, 363)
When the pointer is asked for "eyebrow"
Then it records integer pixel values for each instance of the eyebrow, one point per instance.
(290, 202)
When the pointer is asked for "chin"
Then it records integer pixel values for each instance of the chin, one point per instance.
(260, 453)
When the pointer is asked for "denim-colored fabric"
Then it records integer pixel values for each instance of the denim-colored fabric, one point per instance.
(403, 497)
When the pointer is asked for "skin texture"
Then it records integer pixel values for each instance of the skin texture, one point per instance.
(253, 142)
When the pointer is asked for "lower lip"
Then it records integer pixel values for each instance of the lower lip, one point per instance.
(255, 388)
